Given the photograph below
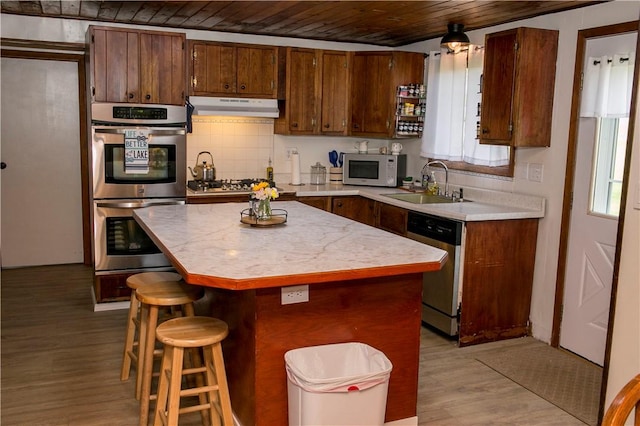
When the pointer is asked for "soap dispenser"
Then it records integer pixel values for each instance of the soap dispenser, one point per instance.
(432, 186)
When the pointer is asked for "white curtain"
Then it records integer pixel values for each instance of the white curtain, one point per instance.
(446, 84)
(451, 116)
(474, 152)
(606, 86)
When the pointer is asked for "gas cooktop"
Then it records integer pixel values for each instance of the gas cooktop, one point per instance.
(226, 185)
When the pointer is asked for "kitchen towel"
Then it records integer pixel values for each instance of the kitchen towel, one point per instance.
(136, 151)
(295, 169)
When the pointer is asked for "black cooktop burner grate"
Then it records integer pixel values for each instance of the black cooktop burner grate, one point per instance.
(226, 185)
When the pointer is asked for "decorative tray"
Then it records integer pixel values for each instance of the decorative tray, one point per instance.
(278, 217)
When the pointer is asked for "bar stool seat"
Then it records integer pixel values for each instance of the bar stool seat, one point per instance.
(152, 298)
(192, 332)
(131, 345)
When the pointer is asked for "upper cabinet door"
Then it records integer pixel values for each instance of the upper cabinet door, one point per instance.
(257, 71)
(518, 85)
(375, 76)
(114, 65)
(301, 108)
(335, 92)
(497, 83)
(162, 69)
(234, 70)
(136, 66)
(213, 69)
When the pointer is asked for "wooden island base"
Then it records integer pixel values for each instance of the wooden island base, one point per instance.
(383, 312)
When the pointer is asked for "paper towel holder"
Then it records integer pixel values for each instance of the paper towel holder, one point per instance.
(295, 168)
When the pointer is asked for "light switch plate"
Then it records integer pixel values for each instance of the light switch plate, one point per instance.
(535, 172)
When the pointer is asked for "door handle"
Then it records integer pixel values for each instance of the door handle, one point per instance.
(137, 204)
(155, 132)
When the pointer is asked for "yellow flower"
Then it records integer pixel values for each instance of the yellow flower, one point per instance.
(262, 191)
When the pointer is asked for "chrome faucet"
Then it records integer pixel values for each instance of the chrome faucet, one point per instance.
(446, 174)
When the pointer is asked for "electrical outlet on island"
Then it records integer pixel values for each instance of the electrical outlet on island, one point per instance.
(294, 294)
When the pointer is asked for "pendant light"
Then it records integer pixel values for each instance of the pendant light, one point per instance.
(455, 39)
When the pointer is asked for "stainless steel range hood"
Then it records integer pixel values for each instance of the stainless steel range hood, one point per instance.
(238, 107)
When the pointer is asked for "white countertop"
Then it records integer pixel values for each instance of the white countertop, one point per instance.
(481, 204)
(209, 245)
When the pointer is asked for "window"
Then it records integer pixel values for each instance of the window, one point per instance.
(608, 168)
(453, 105)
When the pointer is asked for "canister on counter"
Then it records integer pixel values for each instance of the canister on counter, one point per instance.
(335, 175)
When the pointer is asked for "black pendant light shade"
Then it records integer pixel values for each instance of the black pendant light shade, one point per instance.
(455, 38)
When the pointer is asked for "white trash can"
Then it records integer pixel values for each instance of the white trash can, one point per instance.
(339, 384)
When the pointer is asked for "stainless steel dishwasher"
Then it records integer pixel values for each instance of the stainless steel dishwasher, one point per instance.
(440, 288)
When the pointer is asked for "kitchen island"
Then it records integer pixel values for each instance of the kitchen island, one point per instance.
(364, 285)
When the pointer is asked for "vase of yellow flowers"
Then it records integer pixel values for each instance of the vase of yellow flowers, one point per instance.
(262, 196)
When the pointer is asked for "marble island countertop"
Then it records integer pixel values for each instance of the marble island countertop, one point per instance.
(481, 204)
(209, 245)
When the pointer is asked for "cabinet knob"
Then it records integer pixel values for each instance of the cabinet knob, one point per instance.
(130, 95)
(226, 86)
(485, 131)
(294, 124)
(356, 126)
(326, 126)
(339, 203)
(148, 96)
(243, 87)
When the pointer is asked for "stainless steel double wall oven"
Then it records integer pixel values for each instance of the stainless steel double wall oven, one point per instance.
(120, 245)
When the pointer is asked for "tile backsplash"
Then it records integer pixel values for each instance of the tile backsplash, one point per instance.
(241, 147)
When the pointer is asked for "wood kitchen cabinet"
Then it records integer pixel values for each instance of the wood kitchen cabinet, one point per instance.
(136, 66)
(499, 258)
(323, 203)
(375, 77)
(235, 70)
(356, 208)
(517, 87)
(317, 93)
(391, 218)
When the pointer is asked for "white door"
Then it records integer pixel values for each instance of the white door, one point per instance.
(594, 223)
(590, 255)
(41, 215)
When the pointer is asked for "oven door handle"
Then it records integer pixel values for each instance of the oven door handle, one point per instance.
(138, 204)
(153, 132)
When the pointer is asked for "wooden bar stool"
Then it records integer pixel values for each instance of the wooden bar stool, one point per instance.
(152, 298)
(192, 332)
(131, 345)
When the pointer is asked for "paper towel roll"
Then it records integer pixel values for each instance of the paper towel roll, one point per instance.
(295, 168)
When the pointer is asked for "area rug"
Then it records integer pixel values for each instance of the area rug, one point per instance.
(563, 379)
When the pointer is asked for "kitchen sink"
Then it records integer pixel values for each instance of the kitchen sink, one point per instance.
(421, 198)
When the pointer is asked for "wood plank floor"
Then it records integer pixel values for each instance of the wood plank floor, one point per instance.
(61, 364)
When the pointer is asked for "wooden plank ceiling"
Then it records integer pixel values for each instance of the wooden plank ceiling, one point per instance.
(383, 23)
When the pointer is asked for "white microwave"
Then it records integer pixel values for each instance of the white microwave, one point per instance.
(374, 169)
